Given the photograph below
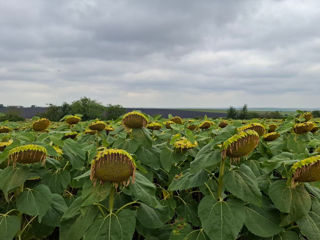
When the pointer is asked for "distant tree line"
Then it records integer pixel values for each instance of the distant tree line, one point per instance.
(244, 113)
(88, 108)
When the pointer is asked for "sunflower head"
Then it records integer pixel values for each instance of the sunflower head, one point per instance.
(3, 145)
(192, 126)
(134, 120)
(271, 136)
(154, 126)
(109, 129)
(168, 124)
(223, 124)
(184, 144)
(314, 129)
(306, 170)
(41, 124)
(72, 119)
(71, 135)
(27, 154)
(177, 120)
(259, 128)
(90, 132)
(205, 124)
(240, 144)
(58, 150)
(307, 116)
(5, 129)
(98, 125)
(113, 165)
(272, 128)
(301, 128)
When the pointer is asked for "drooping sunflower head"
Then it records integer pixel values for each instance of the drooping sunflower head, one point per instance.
(240, 144)
(223, 124)
(72, 119)
(3, 145)
(58, 150)
(272, 128)
(90, 132)
(98, 125)
(205, 124)
(71, 135)
(192, 126)
(109, 129)
(184, 144)
(27, 154)
(301, 128)
(306, 170)
(5, 129)
(154, 126)
(40, 124)
(177, 120)
(307, 116)
(258, 127)
(315, 128)
(134, 120)
(168, 124)
(113, 165)
(271, 136)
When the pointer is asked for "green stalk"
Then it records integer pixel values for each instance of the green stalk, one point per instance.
(111, 199)
(220, 180)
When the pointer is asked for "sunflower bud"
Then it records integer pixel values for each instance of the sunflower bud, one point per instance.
(306, 170)
(259, 128)
(41, 124)
(134, 120)
(27, 154)
(113, 165)
(240, 145)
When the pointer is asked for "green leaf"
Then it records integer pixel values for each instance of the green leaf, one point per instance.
(74, 209)
(35, 202)
(188, 180)
(294, 201)
(310, 225)
(148, 217)
(57, 182)
(95, 194)
(113, 227)
(75, 228)
(11, 178)
(9, 226)
(144, 190)
(263, 222)
(55, 212)
(221, 220)
(243, 184)
(205, 158)
(288, 235)
(166, 158)
(74, 153)
(149, 157)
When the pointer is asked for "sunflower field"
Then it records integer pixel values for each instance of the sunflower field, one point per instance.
(143, 177)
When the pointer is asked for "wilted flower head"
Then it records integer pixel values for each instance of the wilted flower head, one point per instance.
(40, 124)
(306, 170)
(3, 145)
(154, 126)
(205, 124)
(4, 129)
(27, 154)
(72, 119)
(134, 120)
(259, 128)
(271, 136)
(301, 128)
(98, 125)
(184, 144)
(177, 120)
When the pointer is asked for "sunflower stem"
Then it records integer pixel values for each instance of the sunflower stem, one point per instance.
(111, 199)
(220, 180)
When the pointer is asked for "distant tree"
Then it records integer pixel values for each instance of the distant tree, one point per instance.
(90, 109)
(114, 111)
(12, 114)
(251, 115)
(244, 112)
(66, 109)
(1, 106)
(316, 113)
(53, 113)
(232, 113)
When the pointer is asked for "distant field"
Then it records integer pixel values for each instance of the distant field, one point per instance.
(224, 110)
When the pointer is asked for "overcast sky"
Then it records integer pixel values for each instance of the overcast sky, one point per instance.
(164, 53)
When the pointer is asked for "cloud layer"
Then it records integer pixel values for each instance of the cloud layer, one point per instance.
(158, 53)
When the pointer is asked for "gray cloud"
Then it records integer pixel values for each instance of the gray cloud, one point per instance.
(160, 53)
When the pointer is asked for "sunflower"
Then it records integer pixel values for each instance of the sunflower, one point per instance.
(306, 170)
(206, 124)
(90, 132)
(272, 128)
(71, 135)
(98, 125)
(223, 124)
(27, 154)
(240, 144)
(113, 165)
(134, 120)
(154, 126)
(41, 124)
(177, 120)
(168, 124)
(72, 119)
(109, 129)
(184, 144)
(259, 128)
(271, 136)
(5, 129)
(3, 145)
(301, 128)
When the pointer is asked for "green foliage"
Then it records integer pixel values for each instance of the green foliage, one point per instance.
(12, 114)
(89, 109)
(176, 195)
(114, 111)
